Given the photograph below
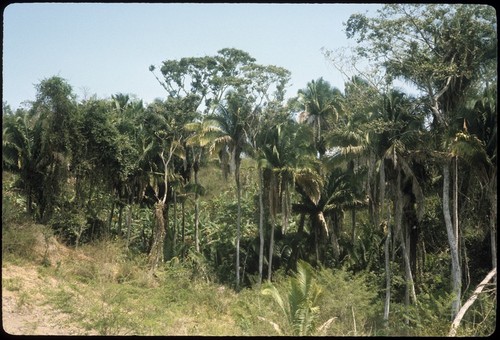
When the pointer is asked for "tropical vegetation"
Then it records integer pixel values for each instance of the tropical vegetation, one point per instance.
(368, 210)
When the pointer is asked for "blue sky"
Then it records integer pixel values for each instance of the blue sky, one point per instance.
(104, 49)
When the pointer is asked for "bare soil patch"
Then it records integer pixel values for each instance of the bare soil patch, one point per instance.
(24, 307)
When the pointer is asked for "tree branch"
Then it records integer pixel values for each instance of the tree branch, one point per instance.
(470, 301)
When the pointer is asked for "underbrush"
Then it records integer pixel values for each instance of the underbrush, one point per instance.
(18, 230)
(106, 289)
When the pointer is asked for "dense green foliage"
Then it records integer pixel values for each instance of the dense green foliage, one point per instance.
(368, 196)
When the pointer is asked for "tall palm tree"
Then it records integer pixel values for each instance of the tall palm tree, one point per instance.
(476, 146)
(399, 140)
(287, 156)
(460, 42)
(320, 101)
(203, 137)
(382, 130)
(325, 209)
(231, 118)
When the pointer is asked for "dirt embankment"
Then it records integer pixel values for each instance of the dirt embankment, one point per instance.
(24, 307)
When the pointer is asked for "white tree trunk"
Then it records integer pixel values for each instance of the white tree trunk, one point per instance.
(196, 214)
(271, 249)
(398, 216)
(387, 304)
(261, 224)
(387, 243)
(470, 301)
(238, 226)
(493, 219)
(456, 272)
(129, 223)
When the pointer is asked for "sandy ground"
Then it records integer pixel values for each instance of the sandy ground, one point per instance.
(23, 308)
(23, 316)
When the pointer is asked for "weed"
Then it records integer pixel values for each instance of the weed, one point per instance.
(18, 241)
(63, 300)
(24, 299)
(107, 316)
(13, 284)
(47, 235)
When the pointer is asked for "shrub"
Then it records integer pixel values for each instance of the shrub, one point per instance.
(18, 241)
(351, 299)
(69, 225)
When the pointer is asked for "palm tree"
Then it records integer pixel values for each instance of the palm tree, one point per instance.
(325, 208)
(204, 135)
(287, 156)
(320, 104)
(397, 143)
(457, 52)
(476, 145)
(127, 116)
(231, 119)
(384, 130)
(17, 152)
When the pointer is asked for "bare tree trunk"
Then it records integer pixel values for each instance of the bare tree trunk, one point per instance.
(381, 195)
(156, 252)
(398, 216)
(493, 219)
(353, 230)
(387, 243)
(300, 229)
(175, 226)
(273, 208)
(129, 224)
(196, 210)
(120, 213)
(334, 238)
(455, 201)
(374, 199)
(318, 223)
(387, 303)
(285, 204)
(29, 200)
(183, 229)
(456, 272)
(168, 241)
(271, 249)
(110, 219)
(238, 223)
(261, 224)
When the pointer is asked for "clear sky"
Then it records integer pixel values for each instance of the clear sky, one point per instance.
(107, 48)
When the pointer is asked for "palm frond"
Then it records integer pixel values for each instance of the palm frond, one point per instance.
(311, 183)
(272, 291)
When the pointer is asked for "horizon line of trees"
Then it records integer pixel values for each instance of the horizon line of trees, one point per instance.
(369, 178)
